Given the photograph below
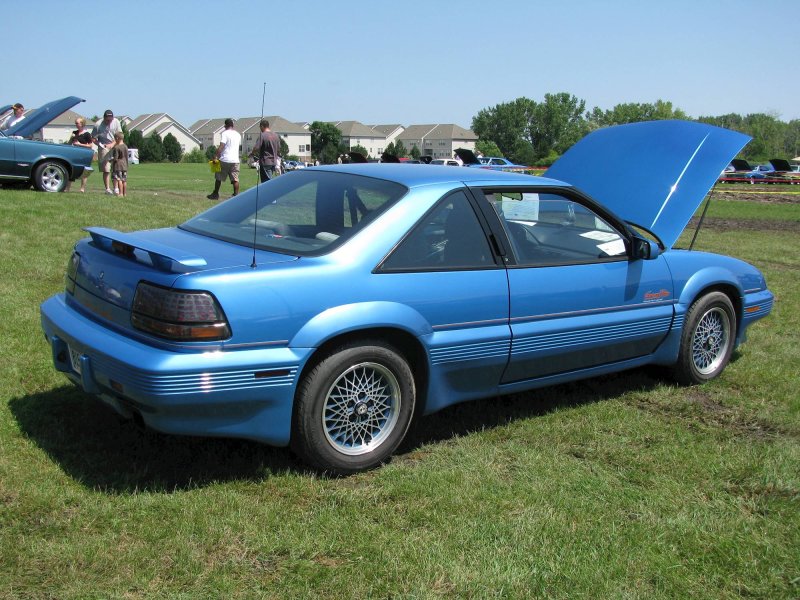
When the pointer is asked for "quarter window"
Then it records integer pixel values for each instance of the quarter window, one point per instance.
(449, 237)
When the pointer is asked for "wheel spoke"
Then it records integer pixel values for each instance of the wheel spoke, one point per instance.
(361, 408)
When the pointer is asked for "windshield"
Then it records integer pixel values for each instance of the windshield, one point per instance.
(303, 213)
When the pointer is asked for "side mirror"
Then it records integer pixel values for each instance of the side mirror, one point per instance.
(645, 249)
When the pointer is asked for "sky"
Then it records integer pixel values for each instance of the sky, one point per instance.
(406, 62)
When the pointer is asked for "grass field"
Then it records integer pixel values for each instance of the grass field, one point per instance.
(624, 486)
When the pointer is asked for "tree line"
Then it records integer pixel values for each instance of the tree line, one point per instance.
(537, 133)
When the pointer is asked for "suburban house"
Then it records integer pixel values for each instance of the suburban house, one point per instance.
(163, 124)
(389, 132)
(59, 130)
(357, 134)
(437, 141)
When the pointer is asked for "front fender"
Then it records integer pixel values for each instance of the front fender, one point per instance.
(708, 278)
(361, 315)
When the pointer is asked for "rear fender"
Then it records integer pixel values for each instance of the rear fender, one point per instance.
(363, 315)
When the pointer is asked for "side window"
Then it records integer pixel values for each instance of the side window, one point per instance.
(551, 229)
(448, 237)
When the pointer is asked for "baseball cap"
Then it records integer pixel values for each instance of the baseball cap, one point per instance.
(108, 113)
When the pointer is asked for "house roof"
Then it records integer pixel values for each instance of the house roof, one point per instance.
(386, 130)
(355, 129)
(447, 131)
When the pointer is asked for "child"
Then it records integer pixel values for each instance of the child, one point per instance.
(119, 165)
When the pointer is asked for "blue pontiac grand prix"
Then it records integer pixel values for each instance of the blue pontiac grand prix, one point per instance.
(325, 308)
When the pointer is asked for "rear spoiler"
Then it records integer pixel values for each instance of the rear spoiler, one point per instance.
(164, 258)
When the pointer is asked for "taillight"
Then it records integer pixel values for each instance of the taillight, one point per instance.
(178, 314)
(72, 272)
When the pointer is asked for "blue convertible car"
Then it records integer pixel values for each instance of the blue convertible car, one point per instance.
(324, 308)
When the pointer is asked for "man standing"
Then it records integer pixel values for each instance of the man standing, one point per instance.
(266, 150)
(13, 118)
(103, 134)
(228, 155)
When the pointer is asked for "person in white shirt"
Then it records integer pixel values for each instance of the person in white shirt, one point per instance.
(228, 156)
(14, 118)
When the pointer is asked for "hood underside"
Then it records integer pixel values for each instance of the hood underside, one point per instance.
(40, 117)
(654, 174)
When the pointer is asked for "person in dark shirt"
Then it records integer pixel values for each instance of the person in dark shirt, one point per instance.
(266, 150)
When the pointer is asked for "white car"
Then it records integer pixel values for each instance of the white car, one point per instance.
(450, 162)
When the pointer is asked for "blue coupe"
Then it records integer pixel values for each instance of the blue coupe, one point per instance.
(325, 308)
(46, 166)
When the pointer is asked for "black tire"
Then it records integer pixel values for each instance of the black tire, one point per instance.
(353, 408)
(50, 176)
(707, 341)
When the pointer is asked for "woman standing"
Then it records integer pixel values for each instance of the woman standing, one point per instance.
(81, 137)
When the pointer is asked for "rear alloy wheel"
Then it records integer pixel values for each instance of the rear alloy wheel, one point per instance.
(354, 408)
(50, 176)
(707, 340)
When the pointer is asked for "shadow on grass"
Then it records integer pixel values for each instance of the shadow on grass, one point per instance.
(101, 451)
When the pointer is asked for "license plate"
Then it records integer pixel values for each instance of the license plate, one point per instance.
(75, 360)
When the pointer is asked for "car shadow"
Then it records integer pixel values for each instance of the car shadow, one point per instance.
(101, 451)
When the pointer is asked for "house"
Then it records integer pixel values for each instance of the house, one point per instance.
(59, 130)
(163, 124)
(357, 134)
(437, 141)
(389, 132)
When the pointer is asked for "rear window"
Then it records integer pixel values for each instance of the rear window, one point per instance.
(304, 213)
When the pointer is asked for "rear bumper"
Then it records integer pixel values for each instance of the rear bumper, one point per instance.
(231, 393)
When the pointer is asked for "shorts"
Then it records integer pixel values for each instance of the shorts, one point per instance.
(119, 176)
(227, 170)
(104, 159)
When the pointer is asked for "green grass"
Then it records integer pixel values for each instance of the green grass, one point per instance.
(624, 486)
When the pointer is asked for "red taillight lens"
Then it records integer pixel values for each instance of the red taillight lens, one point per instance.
(178, 314)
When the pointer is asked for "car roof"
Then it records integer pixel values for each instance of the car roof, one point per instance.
(415, 175)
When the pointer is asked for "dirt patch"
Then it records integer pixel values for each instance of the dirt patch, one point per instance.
(723, 225)
(771, 196)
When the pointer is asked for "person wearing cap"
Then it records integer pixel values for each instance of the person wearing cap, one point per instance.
(103, 135)
(228, 156)
(14, 118)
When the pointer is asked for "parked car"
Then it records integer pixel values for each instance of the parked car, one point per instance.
(495, 163)
(449, 162)
(291, 165)
(326, 307)
(46, 166)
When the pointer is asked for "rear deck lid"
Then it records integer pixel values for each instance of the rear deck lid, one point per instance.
(654, 174)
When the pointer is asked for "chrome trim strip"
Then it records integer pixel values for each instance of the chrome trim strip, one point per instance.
(592, 311)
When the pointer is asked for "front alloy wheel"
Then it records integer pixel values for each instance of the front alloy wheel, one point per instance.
(50, 176)
(707, 341)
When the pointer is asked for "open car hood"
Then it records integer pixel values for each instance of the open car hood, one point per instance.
(36, 119)
(467, 156)
(780, 164)
(654, 174)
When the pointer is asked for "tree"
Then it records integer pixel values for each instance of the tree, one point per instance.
(361, 150)
(153, 149)
(488, 148)
(135, 139)
(194, 156)
(211, 152)
(284, 148)
(633, 112)
(390, 149)
(526, 131)
(415, 153)
(400, 149)
(172, 148)
(323, 136)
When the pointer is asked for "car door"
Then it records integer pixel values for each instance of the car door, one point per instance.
(577, 298)
(446, 270)
(8, 159)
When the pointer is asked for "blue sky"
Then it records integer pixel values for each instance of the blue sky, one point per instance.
(400, 62)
